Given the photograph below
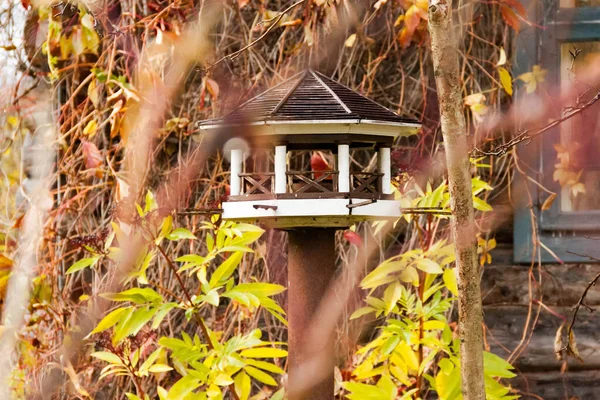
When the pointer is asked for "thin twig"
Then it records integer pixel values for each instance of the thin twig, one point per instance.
(527, 135)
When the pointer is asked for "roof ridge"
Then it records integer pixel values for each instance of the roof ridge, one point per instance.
(258, 96)
(289, 93)
(335, 96)
(357, 93)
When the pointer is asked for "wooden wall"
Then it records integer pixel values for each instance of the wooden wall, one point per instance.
(505, 290)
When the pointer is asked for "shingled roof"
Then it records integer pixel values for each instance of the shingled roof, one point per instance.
(311, 96)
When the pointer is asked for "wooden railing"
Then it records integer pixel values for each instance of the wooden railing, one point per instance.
(312, 181)
(257, 183)
(365, 183)
(310, 184)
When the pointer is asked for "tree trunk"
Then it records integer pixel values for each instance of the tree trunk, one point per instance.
(445, 63)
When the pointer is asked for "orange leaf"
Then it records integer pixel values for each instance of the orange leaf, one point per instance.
(518, 6)
(404, 38)
(412, 18)
(212, 87)
(5, 262)
(510, 17)
(291, 23)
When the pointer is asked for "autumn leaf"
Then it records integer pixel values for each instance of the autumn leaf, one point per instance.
(502, 58)
(510, 17)
(577, 188)
(548, 202)
(475, 103)
(90, 128)
(91, 156)
(350, 41)
(5, 262)
(505, 80)
(212, 87)
(533, 78)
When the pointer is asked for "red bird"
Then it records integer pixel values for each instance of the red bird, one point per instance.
(318, 163)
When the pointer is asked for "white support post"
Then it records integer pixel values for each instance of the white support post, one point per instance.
(280, 169)
(236, 170)
(385, 167)
(343, 159)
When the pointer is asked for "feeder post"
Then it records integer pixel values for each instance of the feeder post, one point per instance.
(311, 267)
(280, 168)
(236, 170)
(343, 159)
(385, 167)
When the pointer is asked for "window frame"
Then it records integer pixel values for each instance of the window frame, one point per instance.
(562, 232)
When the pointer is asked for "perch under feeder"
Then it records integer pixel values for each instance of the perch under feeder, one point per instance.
(309, 111)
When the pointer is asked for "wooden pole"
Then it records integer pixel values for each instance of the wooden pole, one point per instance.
(311, 267)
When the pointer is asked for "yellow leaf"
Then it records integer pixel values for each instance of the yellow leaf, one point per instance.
(577, 188)
(92, 92)
(506, 80)
(90, 128)
(450, 281)
(350, 41)
(531, 79)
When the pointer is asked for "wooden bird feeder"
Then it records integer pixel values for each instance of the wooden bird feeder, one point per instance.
(309, 111)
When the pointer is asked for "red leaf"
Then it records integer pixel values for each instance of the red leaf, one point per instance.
(91, 156)
(353, 238)
(510, 17)
(26, 4)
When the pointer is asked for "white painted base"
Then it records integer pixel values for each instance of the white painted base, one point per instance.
(310, 212)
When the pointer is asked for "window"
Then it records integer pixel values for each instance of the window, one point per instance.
(570, 153)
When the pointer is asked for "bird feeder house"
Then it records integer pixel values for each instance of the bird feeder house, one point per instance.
(309, 111)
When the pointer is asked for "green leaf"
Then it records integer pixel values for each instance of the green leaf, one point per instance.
(108, 357)
(264, 352)
(390, 344)
(183, 387)
(136, 321)
(260, 376)
(226, 269)
(481, 205)
(162, 313)
(191, 258)
(260, 289)
(180, 233)
(212, 298)
(135, 295)
(496, 366)
(81, 264)
(381, 275)
(267, 366)
(158, 368)
(362, 311)
(450, 281)
(110, 320)
(429, 266)
(223, 380)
